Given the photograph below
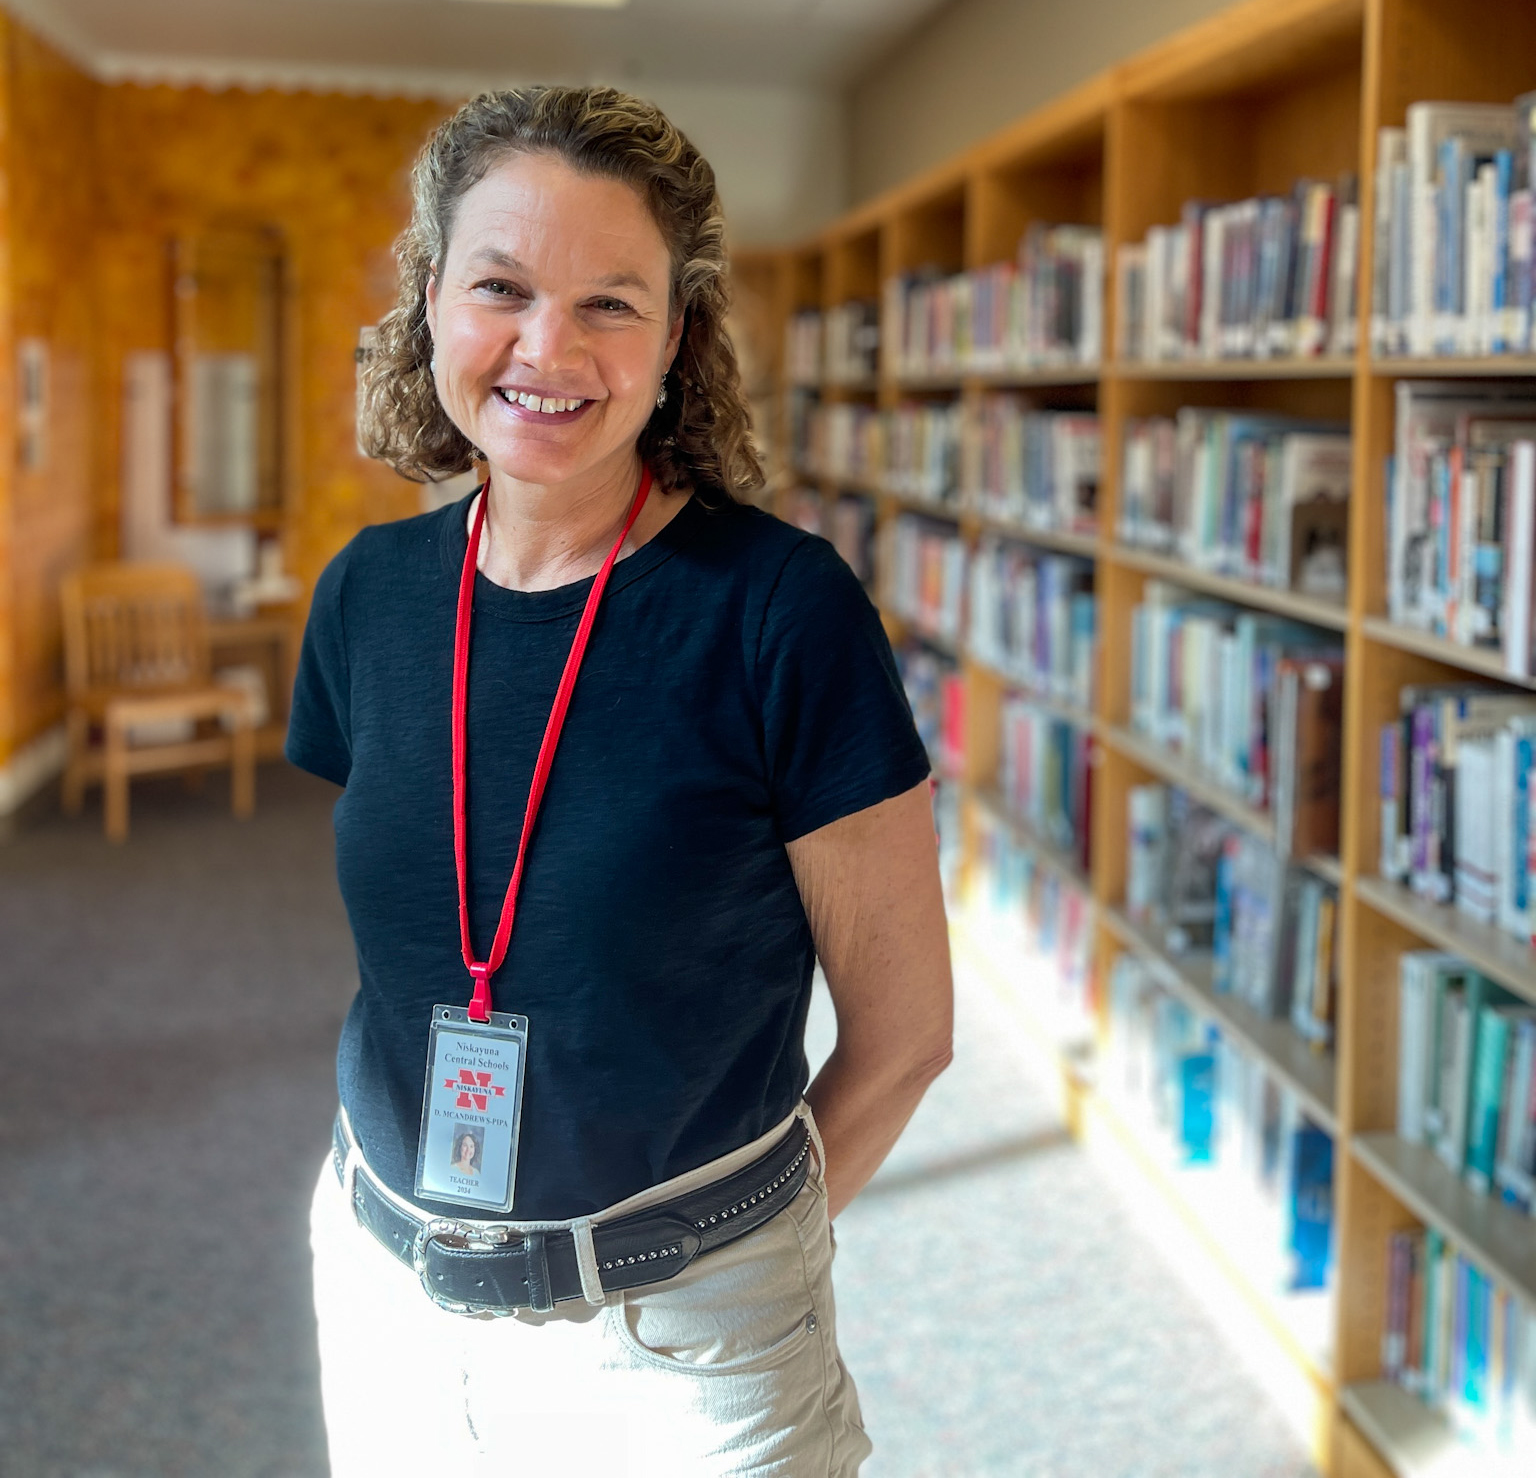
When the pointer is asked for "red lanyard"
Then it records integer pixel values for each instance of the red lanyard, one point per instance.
(482, 970)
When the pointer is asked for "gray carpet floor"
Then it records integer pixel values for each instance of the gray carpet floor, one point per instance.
(166, 1088)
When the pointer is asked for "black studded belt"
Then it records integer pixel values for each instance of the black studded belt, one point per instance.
(482, 1267)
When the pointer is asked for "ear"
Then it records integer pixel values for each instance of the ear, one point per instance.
(674, 338)
(432, 304)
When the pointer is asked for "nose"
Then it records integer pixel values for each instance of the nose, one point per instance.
(549, 338)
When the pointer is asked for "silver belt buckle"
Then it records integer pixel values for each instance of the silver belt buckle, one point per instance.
(474, 1239)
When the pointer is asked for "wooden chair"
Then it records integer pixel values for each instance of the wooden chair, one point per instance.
(136, 657)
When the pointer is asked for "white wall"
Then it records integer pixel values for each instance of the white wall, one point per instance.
(978, 64)
(780, 153)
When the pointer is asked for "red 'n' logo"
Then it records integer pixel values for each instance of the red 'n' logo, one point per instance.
(475, 1089)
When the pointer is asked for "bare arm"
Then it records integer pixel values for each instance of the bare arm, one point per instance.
(870, 886)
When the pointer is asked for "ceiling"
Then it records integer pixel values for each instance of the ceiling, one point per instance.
(430, 45)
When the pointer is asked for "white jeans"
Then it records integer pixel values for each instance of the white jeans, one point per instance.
(729, 1368)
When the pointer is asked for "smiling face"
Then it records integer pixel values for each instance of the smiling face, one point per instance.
(552, 322)
(466, 1149)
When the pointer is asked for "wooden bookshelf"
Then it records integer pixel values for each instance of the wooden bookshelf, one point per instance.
(1497, 954)
(1309, 608)
(1318, 368)
(1085, 546)
(1165, 764)
(1411, 1439)
(1062, 863)
(1490, 367)
(1308, 1074)
(1011, 379)
(1248, 102)
(1494, 1236)
(1473, 661)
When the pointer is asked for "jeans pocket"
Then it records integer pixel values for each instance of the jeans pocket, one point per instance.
(750, 1361)
(747, 1306)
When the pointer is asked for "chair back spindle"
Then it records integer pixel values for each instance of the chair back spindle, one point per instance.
(138, 627)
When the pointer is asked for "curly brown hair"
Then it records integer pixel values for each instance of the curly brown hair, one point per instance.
(701, 437)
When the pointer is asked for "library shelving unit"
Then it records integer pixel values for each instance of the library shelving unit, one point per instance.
(1245, 103)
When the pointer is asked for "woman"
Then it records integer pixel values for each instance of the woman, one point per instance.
(674, 723)
(465, 1155)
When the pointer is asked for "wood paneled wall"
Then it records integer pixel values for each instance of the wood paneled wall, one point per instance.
(96, 181)
(331, 172)
(47, 160)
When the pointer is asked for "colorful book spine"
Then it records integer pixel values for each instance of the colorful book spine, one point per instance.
(1206, 679)
(1453, 232)
(1045, 309)
(1030, 469)
(1032, 617)
(1260, 278)
(1220, 1116)
(923, 565)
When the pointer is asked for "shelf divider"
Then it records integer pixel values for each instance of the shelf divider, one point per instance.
(1499, 1238)
(1323, 367)
(1478, 660)
(1499, 955)
(1416, 1441)
(1312, 609)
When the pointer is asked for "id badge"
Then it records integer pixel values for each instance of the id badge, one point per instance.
(472, 1108)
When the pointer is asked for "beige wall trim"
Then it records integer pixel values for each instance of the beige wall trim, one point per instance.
(30, 769)
(225, 74)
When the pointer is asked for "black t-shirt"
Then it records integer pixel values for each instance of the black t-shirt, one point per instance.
(738, 693)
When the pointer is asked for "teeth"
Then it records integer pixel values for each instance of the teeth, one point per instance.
(549, 405)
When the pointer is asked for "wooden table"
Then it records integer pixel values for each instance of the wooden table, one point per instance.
(267, 640)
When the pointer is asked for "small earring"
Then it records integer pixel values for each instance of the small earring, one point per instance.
(661, 395)
(432, 365)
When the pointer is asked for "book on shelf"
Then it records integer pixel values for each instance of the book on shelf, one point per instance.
(803, 508)
(1044, 767)
(1463, 1344)
(935, 689)
(1455, 794)
(1462, 486)
(1306, 724)
(1264, 278)
(1201, 884)
(840, 346)
(1276, 943)
(1032, 913)
(802, 347)
(1034, 469)
(923, 575)
(851, 528)
(921, 444)
(1221, 1114)
(1454, 265)
(1172, 865)
(1262, 498)
(839, 441)
(1209, 682)
(1044, 310)
(1465, 1088)
(911, 450)
(851, 352)
(1033, 617)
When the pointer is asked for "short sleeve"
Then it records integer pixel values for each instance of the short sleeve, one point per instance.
(320, 721)
(838, 730)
